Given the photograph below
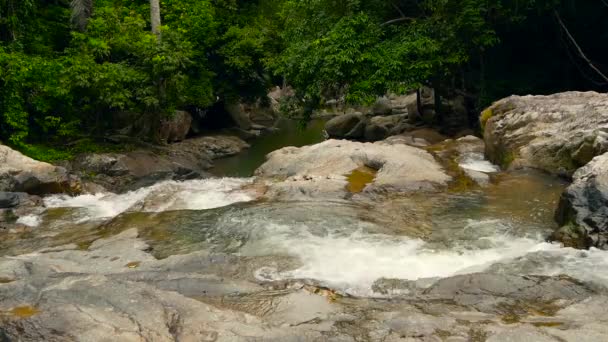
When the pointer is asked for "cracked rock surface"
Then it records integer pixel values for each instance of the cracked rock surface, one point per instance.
(116, 291)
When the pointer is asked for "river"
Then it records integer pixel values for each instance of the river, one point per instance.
(342, 245)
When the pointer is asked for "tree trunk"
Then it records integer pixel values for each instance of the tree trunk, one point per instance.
(82, 10)
(156, 115)
(436, 83)
(155, 17)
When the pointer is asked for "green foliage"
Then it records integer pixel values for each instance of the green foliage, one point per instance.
(360, 49)
(54, 152)
(68, 68)
(116, 64)
(12, 13)
(354, 48)
(84, 66)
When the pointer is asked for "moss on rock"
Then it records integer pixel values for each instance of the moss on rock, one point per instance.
(484, 117)
(360, 178)
(572, 235)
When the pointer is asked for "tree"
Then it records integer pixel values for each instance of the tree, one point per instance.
(12, 13)
(82, 10)
(360, 49)
(155, 17)
(67, 72)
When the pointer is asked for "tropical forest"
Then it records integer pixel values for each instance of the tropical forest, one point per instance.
(304, 170)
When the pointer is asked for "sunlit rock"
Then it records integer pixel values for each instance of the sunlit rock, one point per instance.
(23, 174)
(323, 170)
(557, 133)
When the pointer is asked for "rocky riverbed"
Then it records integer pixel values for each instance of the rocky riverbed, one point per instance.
(398, 240)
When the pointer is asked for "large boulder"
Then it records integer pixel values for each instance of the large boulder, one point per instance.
(277, 97)
(396, 114)
(583, 207)
(382, 127)
(557, 133)
(176, 127)
(429, 135)
(455, 114)
(358, 127)
(20, 173)
(382, 106)
(405, 104)
(239, 115)
(120, 172)
(426, 108)
(188, 159)
(164, 128)
(348, 126)
(333, 168)
(9, 199)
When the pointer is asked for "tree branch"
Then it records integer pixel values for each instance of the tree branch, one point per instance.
(396, 20)
(580, 51)
(401, 12)
(565, 44)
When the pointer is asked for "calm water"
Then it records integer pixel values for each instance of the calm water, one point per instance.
(288, 133)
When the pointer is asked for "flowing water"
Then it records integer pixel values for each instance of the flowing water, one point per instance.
(344, 245)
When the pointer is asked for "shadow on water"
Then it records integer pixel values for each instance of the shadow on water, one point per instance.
(287, 133)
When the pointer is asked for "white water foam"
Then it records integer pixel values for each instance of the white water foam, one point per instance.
(30, 220)
(476, 162)
(591, 265)
(164, 196)
(356, 264)
(342, 251)
(353, 262)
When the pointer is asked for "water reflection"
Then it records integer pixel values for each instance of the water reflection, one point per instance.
(288, 133)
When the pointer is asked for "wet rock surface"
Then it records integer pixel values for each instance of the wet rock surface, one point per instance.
(19, 212)
(189, 159)
(116, 288)
(9, 199)
(557, 133)
(465, 160)
(319, 247)
(583, 207)
(19, 203)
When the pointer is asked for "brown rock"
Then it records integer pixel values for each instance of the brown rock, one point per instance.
(176, 127)
(23, 174)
